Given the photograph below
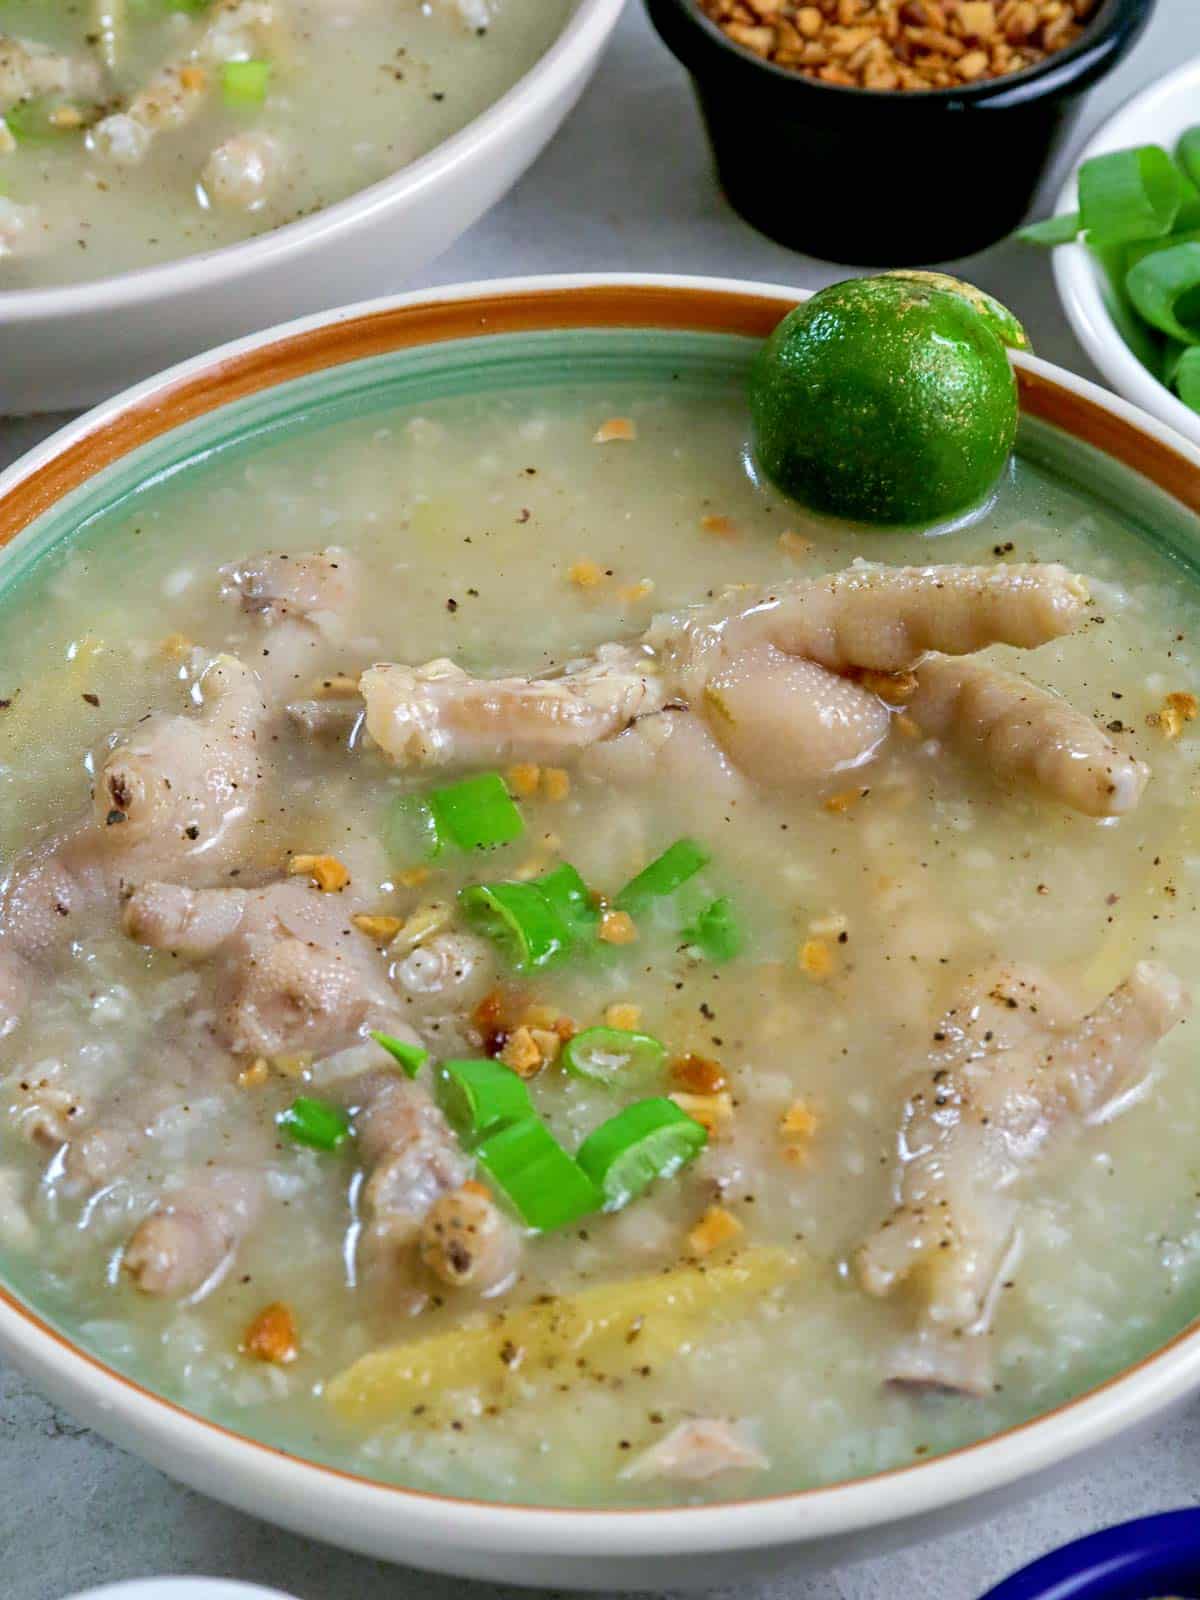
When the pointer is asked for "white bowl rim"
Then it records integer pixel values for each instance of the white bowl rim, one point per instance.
(192, 1587)
(579, 42)
(332, 1500)
(1078, 282)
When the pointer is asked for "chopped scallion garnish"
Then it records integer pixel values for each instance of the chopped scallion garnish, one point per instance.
(613, 1056)
(715, 932)
(45, 119)
(411, 830)
(411, 1057)
(545, 1186)
(571, 898)
(478, 1098)
(663, 876)
(244, 83)
(316, 1123)
(648, 1140)
(520, 921)
(477, 814)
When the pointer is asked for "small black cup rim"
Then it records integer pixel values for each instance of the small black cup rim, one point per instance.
(705, 50)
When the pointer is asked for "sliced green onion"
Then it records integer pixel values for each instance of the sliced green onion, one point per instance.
(244, 83)
(1165, 289)
(32, 121)
(715, 931)
(1187, 153)
(528, 931)
(411, 831)
(478, 813)
(1188, 217)
(545, 1186)
(315, 1123)
(411, 1057)
(663, 876)
(168, 6)
(613, 1055)
(1184, 376)
(571, 898)
(648, 1140)
(1129, 195)
(480, 1097)
(536, 923)
(1063, 229)
(1129, 255)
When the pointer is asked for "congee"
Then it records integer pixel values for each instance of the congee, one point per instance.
(137, 131)
(533, 969)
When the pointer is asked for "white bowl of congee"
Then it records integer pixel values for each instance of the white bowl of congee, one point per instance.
(567, 1015)
(177, 172)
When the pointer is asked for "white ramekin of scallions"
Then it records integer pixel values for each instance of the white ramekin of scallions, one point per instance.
(1127, 250)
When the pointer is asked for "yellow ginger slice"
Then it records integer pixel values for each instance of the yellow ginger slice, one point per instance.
(625, 1324)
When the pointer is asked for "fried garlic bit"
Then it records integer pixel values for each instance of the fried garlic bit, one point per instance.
(255, 1075)
(326, 872)
(522, 1053)
(716, 1227)
(816, 960)
(618, 927)
(699, 1075)
(712, 1111)
(585, 574)
(721, 527)
(1176, 712)
(272, 1336)
(614, 430)
(527, 778)
(797, 1127)
(622, 1014)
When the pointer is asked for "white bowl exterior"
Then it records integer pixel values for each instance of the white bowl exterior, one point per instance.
(67, 348)
(617, 1550)
(182, 1589)
(1156, 116)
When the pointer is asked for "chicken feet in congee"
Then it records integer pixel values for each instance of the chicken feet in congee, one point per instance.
(471, 1039)
(797, 684)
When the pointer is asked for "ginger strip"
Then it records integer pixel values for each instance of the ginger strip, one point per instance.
(626, 1325)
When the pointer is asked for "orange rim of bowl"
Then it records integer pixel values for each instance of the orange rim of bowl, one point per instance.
(312, 349)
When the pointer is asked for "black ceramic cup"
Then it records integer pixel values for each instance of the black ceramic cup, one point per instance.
(876, 177)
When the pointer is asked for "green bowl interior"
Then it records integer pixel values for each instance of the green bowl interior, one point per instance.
(580, 357)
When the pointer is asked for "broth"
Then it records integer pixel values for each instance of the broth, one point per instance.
(497, 533)
(143, 168)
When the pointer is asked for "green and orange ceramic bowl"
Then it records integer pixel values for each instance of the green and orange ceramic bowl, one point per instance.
(492, 339)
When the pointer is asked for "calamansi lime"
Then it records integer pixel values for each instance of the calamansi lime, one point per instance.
(888, 400)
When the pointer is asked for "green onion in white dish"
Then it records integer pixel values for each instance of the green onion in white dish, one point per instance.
(1139, 215)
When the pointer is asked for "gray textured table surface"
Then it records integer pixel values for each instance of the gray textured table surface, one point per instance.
(75, 1511)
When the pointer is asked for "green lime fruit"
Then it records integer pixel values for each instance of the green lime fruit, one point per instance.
(888, 400)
